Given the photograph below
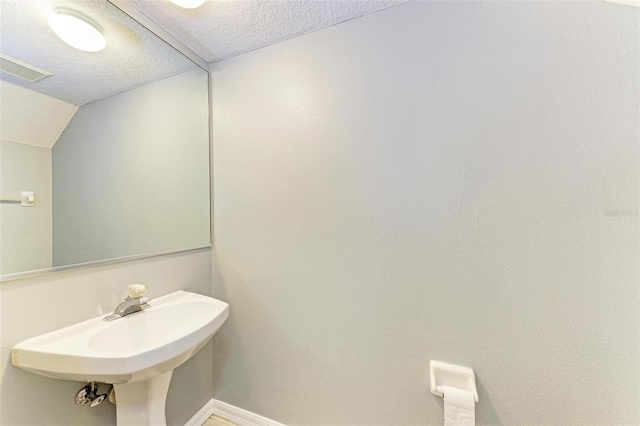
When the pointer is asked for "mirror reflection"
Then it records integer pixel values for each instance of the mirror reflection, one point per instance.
(113, 143)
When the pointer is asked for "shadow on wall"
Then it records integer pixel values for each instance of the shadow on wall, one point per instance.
(232, 361)
(484, 408)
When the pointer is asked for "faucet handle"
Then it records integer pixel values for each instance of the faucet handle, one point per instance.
(137, 290)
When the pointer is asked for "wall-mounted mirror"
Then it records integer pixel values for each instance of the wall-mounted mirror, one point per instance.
(114, 144)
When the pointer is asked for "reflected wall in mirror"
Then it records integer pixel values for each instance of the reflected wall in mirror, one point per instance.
(114, 145)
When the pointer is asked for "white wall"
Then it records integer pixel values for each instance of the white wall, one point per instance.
(130, 165)
(439, 180)
(33, 306)
(25, 232)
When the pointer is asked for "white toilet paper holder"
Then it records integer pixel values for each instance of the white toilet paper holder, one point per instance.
(443, 374)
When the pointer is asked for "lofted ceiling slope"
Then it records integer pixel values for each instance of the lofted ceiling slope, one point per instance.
(31, 118)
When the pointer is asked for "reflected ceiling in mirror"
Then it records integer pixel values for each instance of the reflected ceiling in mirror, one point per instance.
(133, 56)
(114, 144)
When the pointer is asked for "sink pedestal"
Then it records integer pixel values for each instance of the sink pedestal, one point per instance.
(141, 349)
(143, 403)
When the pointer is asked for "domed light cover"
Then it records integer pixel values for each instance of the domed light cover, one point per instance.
(77, 31)
(188, 4)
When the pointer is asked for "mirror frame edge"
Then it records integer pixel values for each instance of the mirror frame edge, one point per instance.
(161, 33)
(40, 272)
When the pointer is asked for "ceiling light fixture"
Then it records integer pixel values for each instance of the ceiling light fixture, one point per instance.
(188, 4)
(77, 31)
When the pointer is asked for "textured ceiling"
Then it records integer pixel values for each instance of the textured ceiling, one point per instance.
(220, 29)
(133, 57)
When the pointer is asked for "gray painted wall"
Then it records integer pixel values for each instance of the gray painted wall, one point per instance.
(25, 232)
(130, 165)
(33, 306)
(439, 180)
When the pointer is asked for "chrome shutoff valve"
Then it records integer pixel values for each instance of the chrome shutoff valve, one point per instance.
(89, 395)
(86, 394)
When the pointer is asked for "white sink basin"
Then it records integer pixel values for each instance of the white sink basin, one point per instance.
(137, 353)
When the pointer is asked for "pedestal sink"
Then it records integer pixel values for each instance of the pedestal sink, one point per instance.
(136, 353)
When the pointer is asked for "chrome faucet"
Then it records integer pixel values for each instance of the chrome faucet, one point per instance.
(133, 303)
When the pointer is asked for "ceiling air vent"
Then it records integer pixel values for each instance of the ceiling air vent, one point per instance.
(22, 70)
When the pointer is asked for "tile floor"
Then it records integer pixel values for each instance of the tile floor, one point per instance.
(218, 421)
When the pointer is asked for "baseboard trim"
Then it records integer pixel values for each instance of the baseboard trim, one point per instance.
(239, 416)
(202, 415)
